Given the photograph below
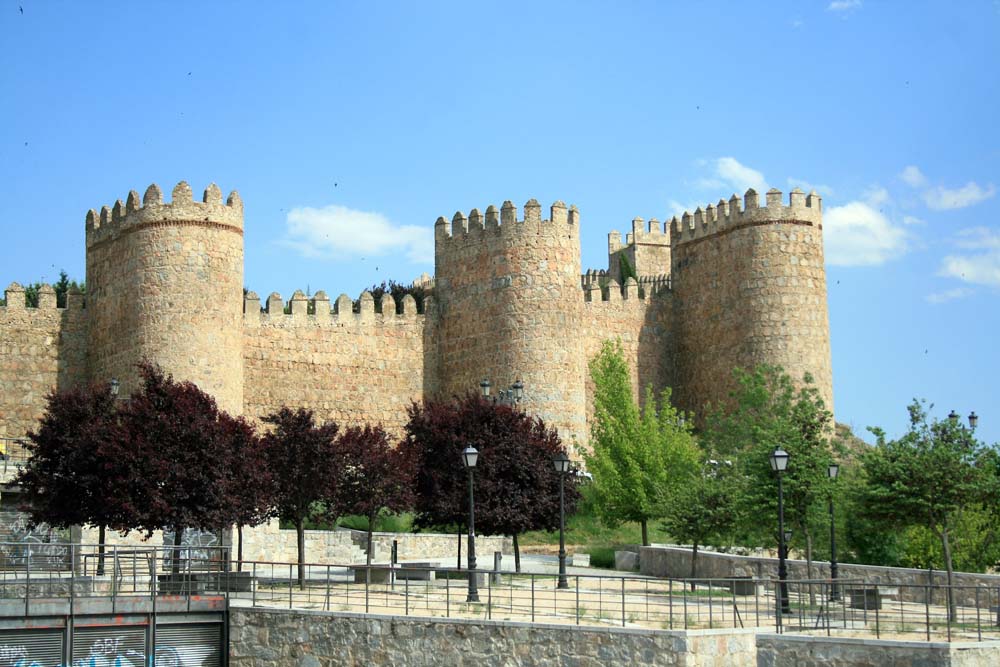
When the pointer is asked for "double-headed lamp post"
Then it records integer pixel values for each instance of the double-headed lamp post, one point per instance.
(469, 457)
(832, 471)
(561, 462)
(779, 463)
(510, 396)
(973, 419)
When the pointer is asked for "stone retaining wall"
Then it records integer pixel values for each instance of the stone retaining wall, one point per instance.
(282, 638)
(271, 543)
(777, 650)
(675, 562)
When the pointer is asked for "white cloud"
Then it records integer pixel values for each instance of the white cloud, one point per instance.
(912, 176)
(941, 198)
(674, 207)
(338, 232)
(740, 176)
(912, 220)
(876, 196)
(948, 295)
(978, 238)
(982, 269)
(857, 234)
(843, 5)
(822, 190)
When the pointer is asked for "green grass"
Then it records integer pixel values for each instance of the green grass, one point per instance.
(583, 528)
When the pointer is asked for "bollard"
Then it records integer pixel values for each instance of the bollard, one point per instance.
(497, 558)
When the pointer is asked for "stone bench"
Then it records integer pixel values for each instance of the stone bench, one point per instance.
(868, 597)
(197, 583)
(416, 571)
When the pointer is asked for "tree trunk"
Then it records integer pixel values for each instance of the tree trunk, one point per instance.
(809, 564)
(458, 563)
(178, 534)
(368, 548)
(645, 533)
(694, 562)
(517, 555)
(946, 548)
(239, 548)
(300, 538)
(101, 537)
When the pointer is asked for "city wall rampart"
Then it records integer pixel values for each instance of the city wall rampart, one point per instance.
(733, 284)
(349, 367)
(749, 288)
(41, 349)
(164, 283)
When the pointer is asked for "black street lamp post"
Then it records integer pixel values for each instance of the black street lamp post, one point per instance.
(510, 396)
(561, 462)
(469, 457)
(779, 463)
(832, 471)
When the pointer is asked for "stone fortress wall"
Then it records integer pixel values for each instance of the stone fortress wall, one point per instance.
(733, 284)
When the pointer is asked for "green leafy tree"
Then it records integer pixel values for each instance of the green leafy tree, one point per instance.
(769, 411)
(640, 457)
(707, 509)
(927, 478)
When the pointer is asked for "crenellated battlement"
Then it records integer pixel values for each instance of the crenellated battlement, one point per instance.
(595, 285)
(505, 221)
(510, 301)
(14, 297)
(714, 219)
(123, 217)
(649, 233)
(325, 312)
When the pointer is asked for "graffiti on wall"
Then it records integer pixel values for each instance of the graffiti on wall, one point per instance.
(199, 548)
(39, 545)
(109, 651)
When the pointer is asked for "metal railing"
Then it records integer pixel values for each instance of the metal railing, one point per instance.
(13, 454)
(887, 610)
(858, 608)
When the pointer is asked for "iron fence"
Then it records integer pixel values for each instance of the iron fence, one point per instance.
(851, 608)
(13, 454)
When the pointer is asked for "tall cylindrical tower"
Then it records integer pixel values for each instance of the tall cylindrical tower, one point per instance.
(749, 289)
(165, 283)
(510, 307)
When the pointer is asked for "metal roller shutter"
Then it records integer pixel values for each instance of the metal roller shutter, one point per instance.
(27, 647)
(110, 646)
(195, 645)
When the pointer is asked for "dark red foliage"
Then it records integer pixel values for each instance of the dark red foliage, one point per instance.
(246, 472)
(304, 468)
(516, 485)
(177, 456)
(375, 476)
(302, 458)
(77, 472)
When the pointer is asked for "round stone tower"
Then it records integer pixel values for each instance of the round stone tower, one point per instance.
(510, 307)
(165, 283)
(749, 289)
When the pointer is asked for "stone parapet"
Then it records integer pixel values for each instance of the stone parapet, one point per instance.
(283, 638)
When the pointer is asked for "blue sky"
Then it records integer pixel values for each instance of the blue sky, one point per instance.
(349, 127)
